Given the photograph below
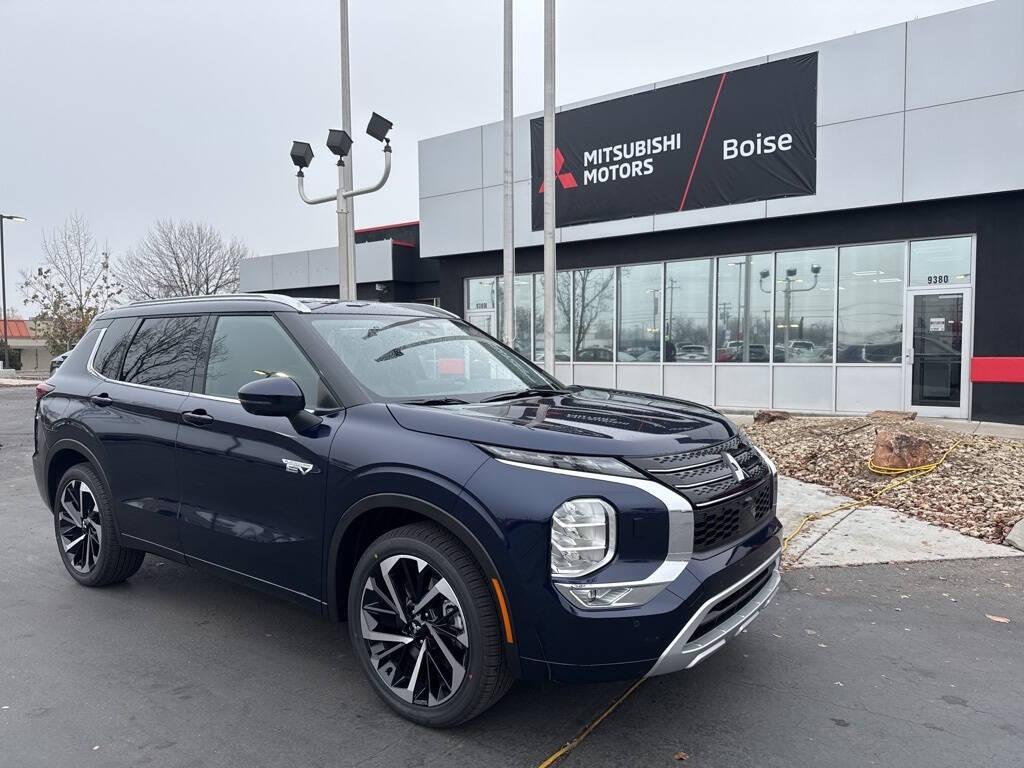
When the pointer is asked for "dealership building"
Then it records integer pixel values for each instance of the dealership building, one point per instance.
(834, 229)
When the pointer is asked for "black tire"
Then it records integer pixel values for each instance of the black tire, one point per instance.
(105, 560)
(486, 677)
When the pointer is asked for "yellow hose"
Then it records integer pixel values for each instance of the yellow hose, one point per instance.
(571, 745)
(907, 474)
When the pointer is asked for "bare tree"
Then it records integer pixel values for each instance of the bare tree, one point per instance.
(594, 294)
(181, 259)
(72, 286)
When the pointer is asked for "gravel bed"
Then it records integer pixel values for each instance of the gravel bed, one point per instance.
(978, 490)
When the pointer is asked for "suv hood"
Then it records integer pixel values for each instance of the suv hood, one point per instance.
(586, 421)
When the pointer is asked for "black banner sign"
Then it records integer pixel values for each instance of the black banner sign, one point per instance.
(731, 138)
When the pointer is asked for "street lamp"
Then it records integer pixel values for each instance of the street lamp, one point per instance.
(340, 144)
(3, 279)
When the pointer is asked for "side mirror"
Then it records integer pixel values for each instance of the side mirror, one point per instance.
(278, 396)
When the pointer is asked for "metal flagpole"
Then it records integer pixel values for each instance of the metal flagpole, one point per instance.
(549, 186)
(508, 234)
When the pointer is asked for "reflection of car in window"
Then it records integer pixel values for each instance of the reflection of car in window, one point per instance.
(691, 352)
(594, 354)
(473, 519)
(733, 352)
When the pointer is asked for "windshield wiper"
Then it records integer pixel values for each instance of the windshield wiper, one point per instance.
(529, 392)
(435, 401)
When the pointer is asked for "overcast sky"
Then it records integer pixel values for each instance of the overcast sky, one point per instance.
(132, 110)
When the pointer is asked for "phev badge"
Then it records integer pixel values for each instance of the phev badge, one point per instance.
(297, 467)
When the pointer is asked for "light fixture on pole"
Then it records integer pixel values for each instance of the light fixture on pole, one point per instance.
(340, 144)
(787, 299)
(3, 280)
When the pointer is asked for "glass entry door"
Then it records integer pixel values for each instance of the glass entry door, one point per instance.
(937, 352)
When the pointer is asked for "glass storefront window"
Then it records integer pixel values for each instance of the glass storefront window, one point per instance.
(640, 314)
(940, 262)
(480, 293)
(871, 303)
(523, 312)
(593, 315)
(744, 308)
(688, 310)
(563, 300)
(804, 282)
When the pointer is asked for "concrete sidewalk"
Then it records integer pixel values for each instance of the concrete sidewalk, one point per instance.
(870, 534)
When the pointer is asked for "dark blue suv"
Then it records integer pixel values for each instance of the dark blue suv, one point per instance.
(471, 518)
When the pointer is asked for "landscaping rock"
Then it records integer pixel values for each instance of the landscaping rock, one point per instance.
(1015, 537)
(892, 415)
(767, 417)
(898, 450)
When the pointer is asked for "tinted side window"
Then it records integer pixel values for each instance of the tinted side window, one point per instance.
(164, 352)
(111, 350)
(248, 347)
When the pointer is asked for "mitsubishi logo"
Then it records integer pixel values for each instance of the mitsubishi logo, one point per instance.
(734, 465)
(567, 180)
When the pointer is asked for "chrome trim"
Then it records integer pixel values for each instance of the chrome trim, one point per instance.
(720, 499)
(91, 369)
(683, 653)
(680, 538)
(764, 457)
(685, 486)
(274, 297)
(95, 349)
(699, 465)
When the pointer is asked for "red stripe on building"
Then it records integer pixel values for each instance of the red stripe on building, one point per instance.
(998, 369)
(386, 226)
(700, 147)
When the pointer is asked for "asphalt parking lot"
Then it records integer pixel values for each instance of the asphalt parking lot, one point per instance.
(874, 665)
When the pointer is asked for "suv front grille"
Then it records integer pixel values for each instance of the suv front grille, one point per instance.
(725, 507)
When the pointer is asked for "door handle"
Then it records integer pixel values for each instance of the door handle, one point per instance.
(197, 418)
(101, 399)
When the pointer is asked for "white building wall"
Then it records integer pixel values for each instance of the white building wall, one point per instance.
(927, 109)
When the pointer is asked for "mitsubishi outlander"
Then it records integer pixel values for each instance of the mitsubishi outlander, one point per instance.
(389, 465)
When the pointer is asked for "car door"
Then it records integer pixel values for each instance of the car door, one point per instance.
(252, 488)
(144, 369)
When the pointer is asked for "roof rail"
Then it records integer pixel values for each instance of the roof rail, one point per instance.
(431, 309)
(279, 298)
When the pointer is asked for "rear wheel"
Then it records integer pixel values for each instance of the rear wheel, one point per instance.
(425, 628)
(84, 527)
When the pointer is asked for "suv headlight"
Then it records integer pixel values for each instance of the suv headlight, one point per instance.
(582, 537)
(600, 465)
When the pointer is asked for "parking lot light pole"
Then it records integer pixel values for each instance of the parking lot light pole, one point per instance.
(549, 186)
(340, 144)
(3, 279)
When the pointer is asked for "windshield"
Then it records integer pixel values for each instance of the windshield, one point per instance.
(412, 358)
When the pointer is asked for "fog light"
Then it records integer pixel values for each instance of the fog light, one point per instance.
(601, 597)
(582, 537)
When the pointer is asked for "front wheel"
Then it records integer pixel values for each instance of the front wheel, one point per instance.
(425, 627)
(84, 526)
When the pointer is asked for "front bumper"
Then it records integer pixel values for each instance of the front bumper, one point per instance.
(686, 650)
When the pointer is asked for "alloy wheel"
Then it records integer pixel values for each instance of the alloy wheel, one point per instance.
(415, 630)
(80, 525)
